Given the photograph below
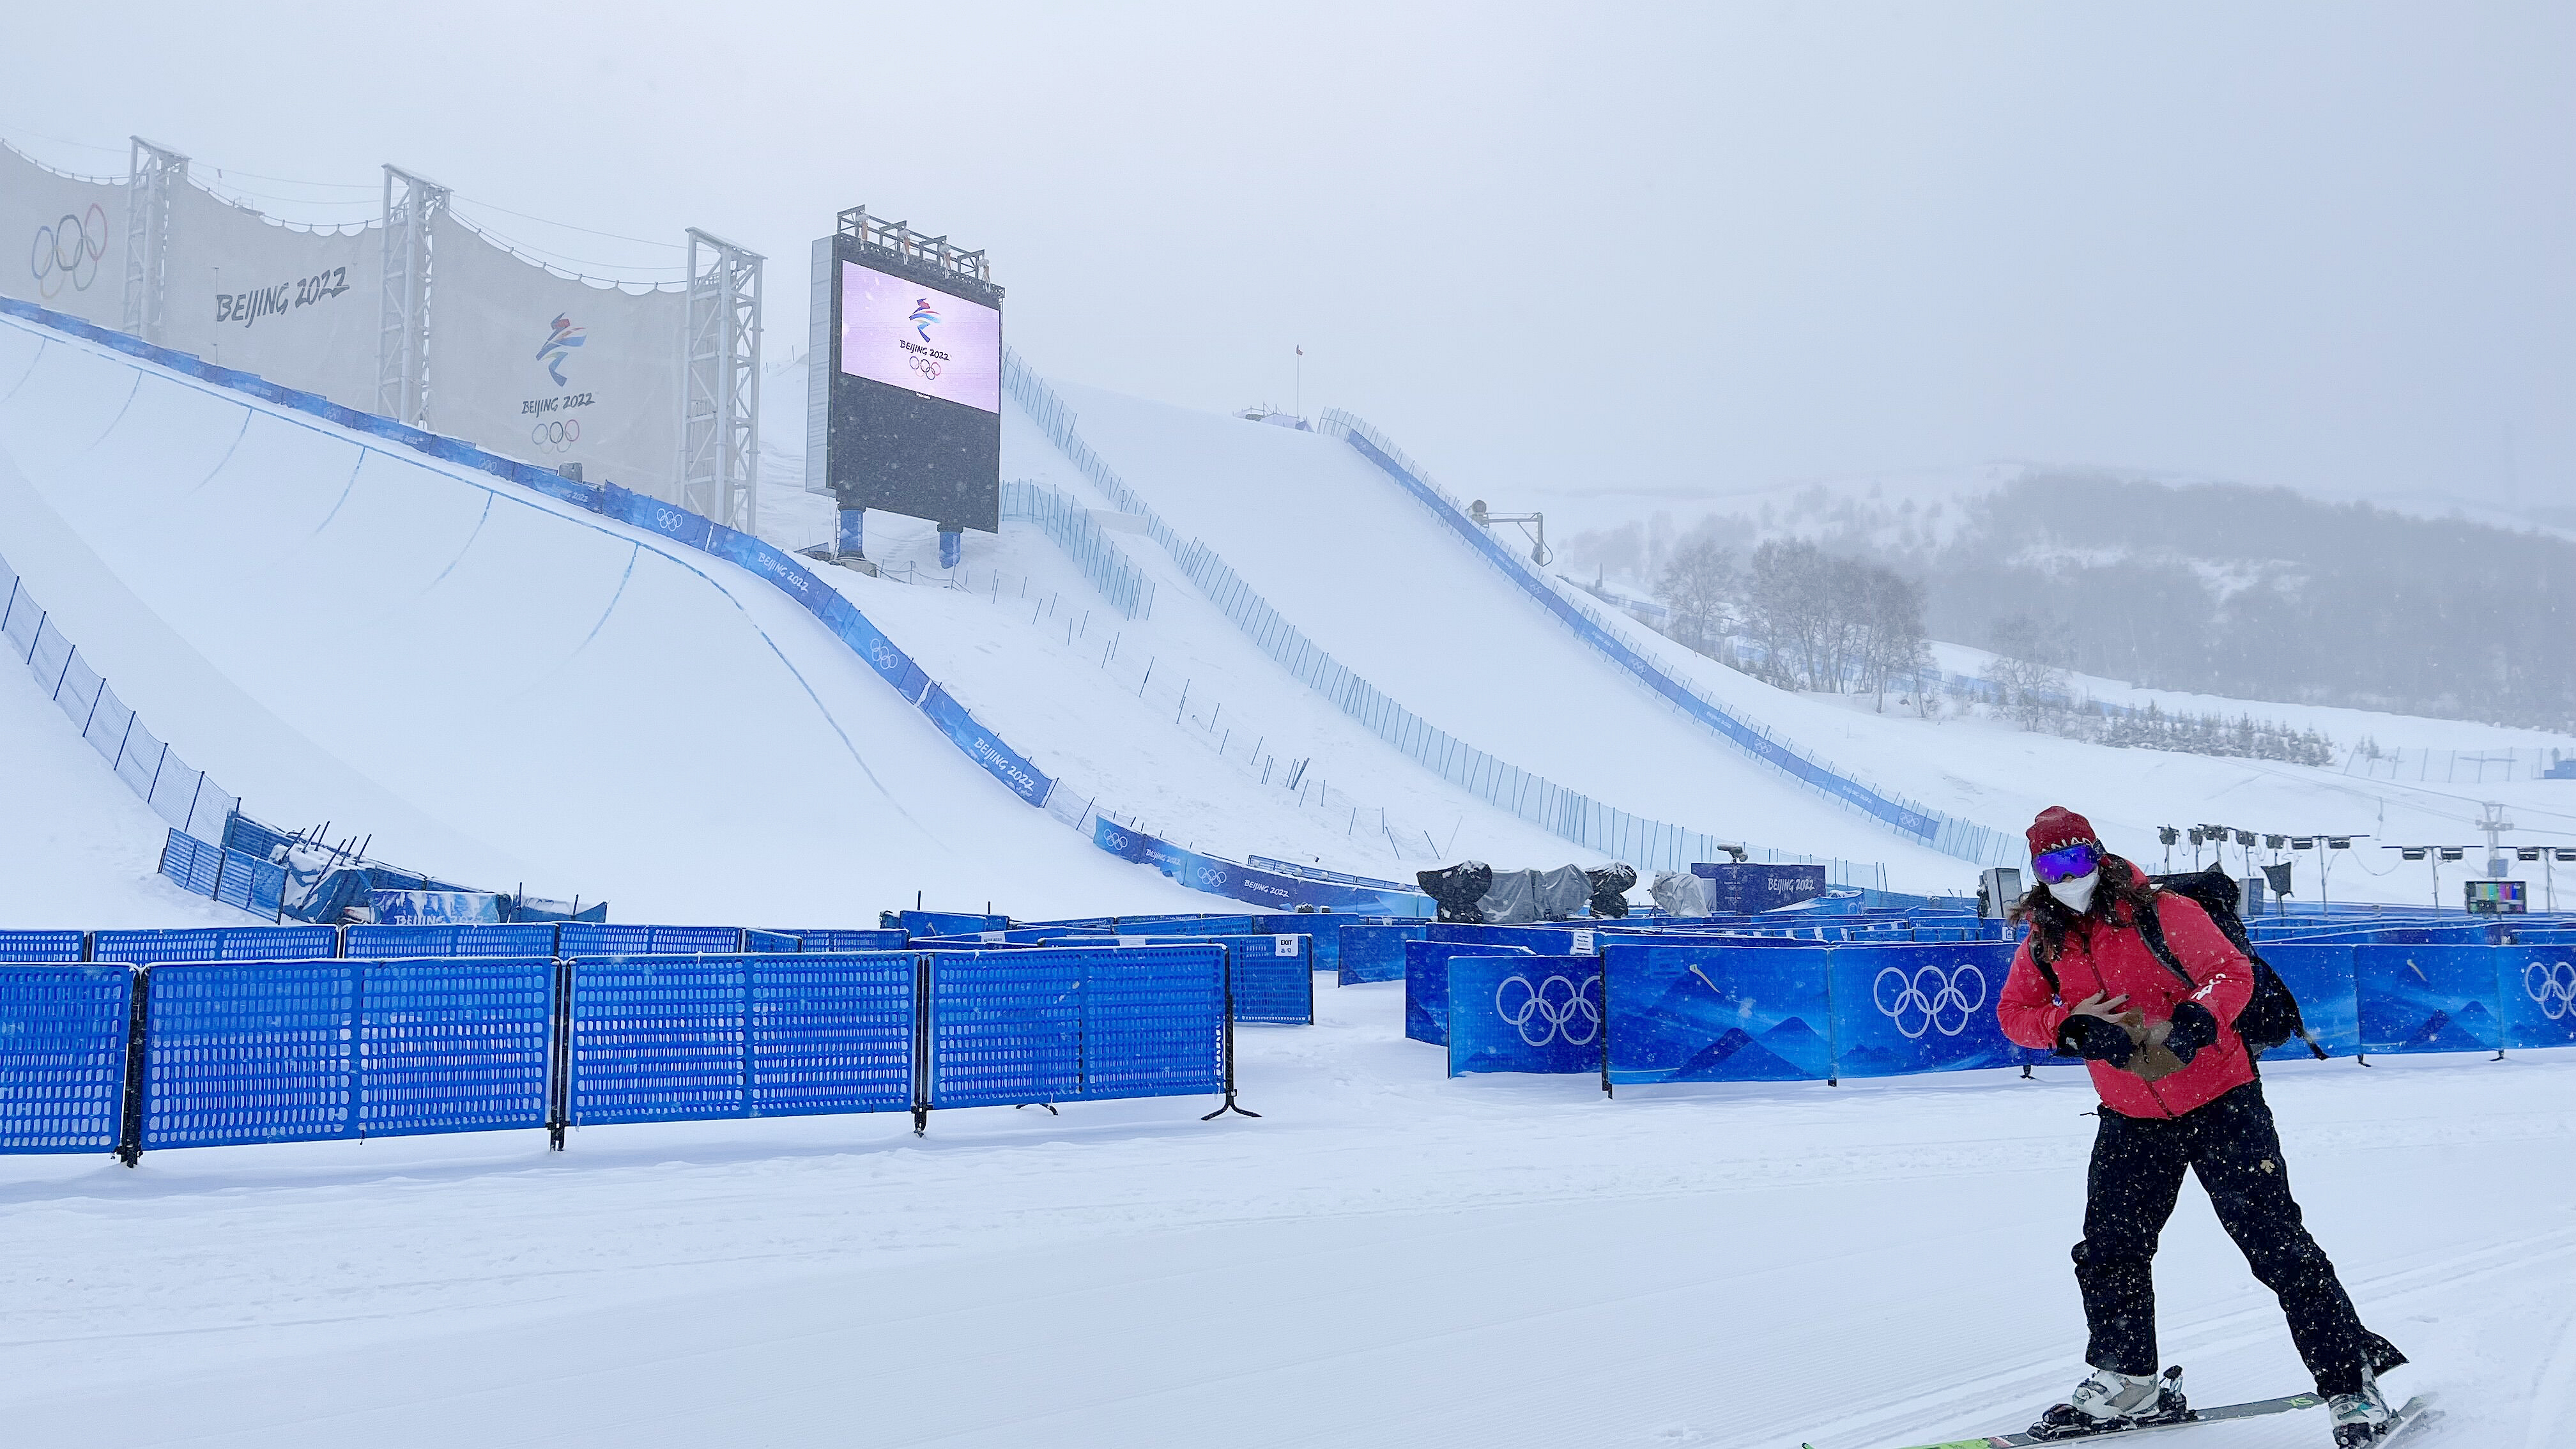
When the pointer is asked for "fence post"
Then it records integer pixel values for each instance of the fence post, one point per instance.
(138, 1060)
(921, 1044)
(1229, 1105)
(559, 1077)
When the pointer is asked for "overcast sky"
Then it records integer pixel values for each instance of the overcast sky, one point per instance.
(1693, 247)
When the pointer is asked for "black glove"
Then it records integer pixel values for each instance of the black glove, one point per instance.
(2193, 1028)
(2095, 1040)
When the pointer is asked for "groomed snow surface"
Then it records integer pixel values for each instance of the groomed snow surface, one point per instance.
(1384, 1258)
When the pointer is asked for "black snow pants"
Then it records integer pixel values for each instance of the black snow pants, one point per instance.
(2136, 1175)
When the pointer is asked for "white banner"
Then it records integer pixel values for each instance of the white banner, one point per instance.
(554, 370)
(62, 240)
(297, 307)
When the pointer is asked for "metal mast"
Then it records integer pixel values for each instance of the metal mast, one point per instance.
(402, 350)
(150, 173)
(720, 399)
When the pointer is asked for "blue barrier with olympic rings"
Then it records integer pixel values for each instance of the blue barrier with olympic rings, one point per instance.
(1525, 1014)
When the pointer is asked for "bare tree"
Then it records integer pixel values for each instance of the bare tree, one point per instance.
(1699, 587)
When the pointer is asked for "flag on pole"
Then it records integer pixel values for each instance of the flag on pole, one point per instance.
(1301, 352)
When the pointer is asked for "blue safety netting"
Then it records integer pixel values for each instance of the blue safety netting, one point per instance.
(217, 943)
(452, 1044)
(672, 1038)
(582, 938)
(251, 1052)
(534, 940)
(42, 946)
(63, 1032)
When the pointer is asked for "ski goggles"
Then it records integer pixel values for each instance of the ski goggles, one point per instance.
(2065, 863)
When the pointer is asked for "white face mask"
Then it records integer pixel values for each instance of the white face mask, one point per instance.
(2077, 890)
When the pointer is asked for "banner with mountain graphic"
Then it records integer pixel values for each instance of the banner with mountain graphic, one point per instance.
(1905, 1009)
(1732, 1013)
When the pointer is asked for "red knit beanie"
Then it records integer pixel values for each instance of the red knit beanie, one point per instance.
(2058, 827)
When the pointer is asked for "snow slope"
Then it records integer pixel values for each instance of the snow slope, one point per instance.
(1372, 577)
(500, 688)
(1385, 1258)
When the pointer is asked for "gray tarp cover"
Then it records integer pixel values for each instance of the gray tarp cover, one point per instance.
(1512, 900)
(1563, 891)
(1680, 893)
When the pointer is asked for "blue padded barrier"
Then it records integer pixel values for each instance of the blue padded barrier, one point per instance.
(1022, 1026)
(584, 938)
(2319, 975)
(1426, 983)
(1376, 952)
(945, 923)
(1903, 1009)
(2427, 998)
(217, 943)
(532, 941)
(452, 1044)
(2537, 985)
(63, 1031)
(1717, 1013)
(683, 1038)
(42, 946)
(1525, 1014)
(251, 1052)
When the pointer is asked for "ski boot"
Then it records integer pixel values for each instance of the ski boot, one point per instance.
(2108, 1402)
(2360, 1419)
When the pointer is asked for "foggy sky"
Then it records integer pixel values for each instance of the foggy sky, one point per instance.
(1685, 247)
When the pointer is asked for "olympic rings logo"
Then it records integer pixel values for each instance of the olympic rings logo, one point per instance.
(927, 367)
(67, 252)
(2554, 987)
(1539, 1008)
(556, 437)
(1929, 999)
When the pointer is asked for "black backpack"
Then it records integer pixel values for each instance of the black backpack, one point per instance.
(2271, 1014)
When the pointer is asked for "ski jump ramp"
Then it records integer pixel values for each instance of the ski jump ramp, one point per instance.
(497, 685)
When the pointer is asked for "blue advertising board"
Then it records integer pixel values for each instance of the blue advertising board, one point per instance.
(1717, 1013)
(2427, 998)
(1525, 1014)
(2538, 989)
(2319, 976)
(1426, 984)
(1920, 1008)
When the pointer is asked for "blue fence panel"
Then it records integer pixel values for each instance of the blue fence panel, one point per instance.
(251, 884)
(1525, 1014)
(62, 1055)
(2427, 998)
(251, 1052)
(452, 1044)
(1920, 1008)
(2538, 991)
(771, 943)
(831, 1032)
(1153, 1021)
(1426, 983)
(986, 748)
(191, 864)
(218, 943)
(1376, 952)
(1006, 1026)
(1274, 978)
(2320, 979)
(659, 1039)
(40, 946)
(1717, 1013)
(583, 938)
(848, 940)
(384, 942)
(948, 923)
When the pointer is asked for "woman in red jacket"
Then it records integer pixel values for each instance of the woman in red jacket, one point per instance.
(2145, 987)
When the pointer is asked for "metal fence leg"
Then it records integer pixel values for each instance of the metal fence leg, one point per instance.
(921, 1045)
(1230, 1105)
(138, 1058)
(559, 1079)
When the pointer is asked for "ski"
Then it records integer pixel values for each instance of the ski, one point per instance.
(2414, 1412)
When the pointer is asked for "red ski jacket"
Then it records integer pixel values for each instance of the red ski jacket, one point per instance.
(2103, 956)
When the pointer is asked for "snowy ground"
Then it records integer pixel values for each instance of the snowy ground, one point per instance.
(1385, 1258)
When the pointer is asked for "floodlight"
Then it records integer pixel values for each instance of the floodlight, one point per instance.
(2195, 835)
(2526, 852)
(2411, 852)
(2454, 852)
(2245, 837)
(2339, 842)
(2566, 855)
(2166, 835)
(2303, 842)
(2275, 842)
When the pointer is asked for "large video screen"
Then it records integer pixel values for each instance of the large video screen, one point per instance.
(910, 404)
(908, 335)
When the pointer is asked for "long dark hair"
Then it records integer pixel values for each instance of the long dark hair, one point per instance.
(2050, 918)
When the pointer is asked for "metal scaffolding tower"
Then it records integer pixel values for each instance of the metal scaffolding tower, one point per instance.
(720, 400)
(150, 173)
(402, 353)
